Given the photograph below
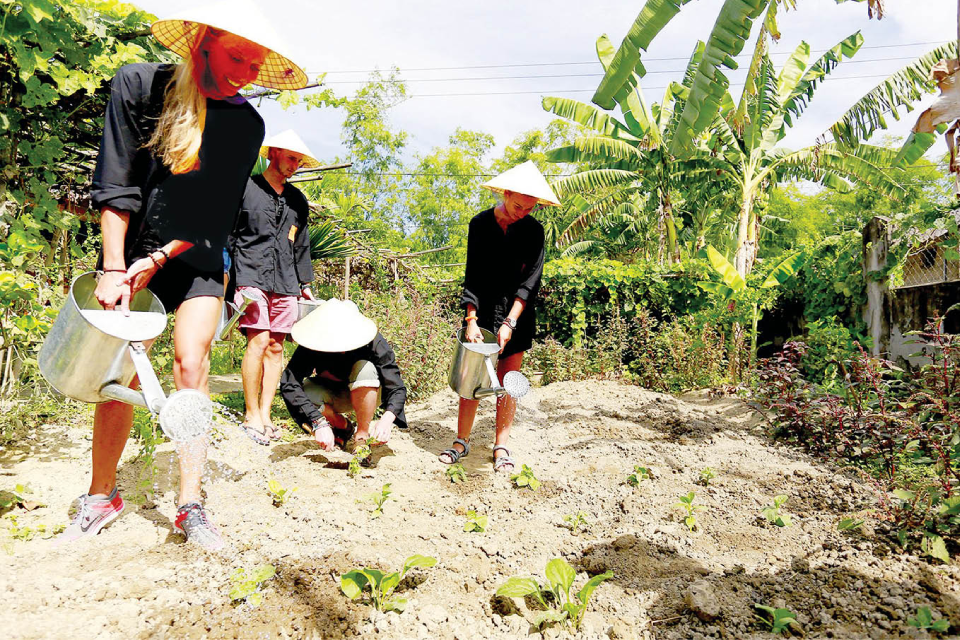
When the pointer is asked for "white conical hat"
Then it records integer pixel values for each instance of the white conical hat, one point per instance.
(526, 179)
(335, 325)
(241, 18)
(290, 141)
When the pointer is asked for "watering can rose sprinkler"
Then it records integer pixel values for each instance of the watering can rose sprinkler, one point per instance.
(92, 354)
(473, 372)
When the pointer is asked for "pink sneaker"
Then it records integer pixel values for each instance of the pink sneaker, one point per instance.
(193, 522)
(92, 515)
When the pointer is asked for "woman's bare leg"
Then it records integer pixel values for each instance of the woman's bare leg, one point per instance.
(195, 323)
(506, 404)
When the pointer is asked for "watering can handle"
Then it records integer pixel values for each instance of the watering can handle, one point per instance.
(149, 384)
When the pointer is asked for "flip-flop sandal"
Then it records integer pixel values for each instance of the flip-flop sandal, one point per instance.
(455, 454)
(275, 434)
(342, 435)
(255, 435)
(504, 460)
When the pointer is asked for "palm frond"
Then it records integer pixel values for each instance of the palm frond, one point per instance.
(327, 242)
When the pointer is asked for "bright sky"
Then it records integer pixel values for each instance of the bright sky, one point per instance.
(486, 66)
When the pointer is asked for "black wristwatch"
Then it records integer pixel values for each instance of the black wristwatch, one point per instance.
(510, 322)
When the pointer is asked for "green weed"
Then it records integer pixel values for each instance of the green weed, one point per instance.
(773, 515)
(639, 474)
(560, 577)
(378, 500)
(779, 619)
(686, 503)
(475, 523)
(381, 585)
(456, 473)
(706, 475)
(924, 620)
(576, 522)
(525, 479)
(360, 455)
(246, 585)
(279, 494)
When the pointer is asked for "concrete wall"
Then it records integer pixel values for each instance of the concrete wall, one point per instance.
(890, 314)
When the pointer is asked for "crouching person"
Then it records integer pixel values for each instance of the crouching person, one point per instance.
(342, 364)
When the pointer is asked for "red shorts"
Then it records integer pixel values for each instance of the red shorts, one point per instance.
(268, 311)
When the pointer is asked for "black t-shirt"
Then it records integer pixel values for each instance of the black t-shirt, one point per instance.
(271, 243)
(503, 266)
(198, 207)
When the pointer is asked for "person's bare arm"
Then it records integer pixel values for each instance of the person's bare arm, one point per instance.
(113, 224)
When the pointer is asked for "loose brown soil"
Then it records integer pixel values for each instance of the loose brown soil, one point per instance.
(138, 580)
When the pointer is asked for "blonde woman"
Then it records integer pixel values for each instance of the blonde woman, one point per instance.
(178, 146)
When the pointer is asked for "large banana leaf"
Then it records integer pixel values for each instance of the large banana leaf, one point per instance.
(589, 116)
(785, 270)
(916, 145)
(625, 68)
(727, 272)
(606, 149)
(900, 90)
(795, 97)
(591, 180)
(727, 39)
(327, 241)
(866, 164)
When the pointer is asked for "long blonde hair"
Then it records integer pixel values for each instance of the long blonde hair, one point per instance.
(179, 132)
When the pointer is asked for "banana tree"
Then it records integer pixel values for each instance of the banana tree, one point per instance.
(628, 159)
(733, 288)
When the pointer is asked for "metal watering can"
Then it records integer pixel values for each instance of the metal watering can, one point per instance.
(230, 315)
(92, 354)
(473, 372)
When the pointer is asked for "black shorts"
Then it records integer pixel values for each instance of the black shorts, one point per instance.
(178, 281)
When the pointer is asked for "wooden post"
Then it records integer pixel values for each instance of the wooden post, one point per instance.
(346, 279)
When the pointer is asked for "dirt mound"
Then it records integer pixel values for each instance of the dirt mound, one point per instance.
(137, 579)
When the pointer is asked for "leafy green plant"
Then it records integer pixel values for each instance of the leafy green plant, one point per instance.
(25, 534)
(16, 497)
(246, 585)
(456, 473)
(772, 512)
(849, 524)
(706, 475)
(279, 494)
(576, 522)
(639, 474)
(378, 500)
(686, 503)
(525, 479)
(381, 585)
(779, 619)
(924, 620)
(475, 523)
(560, 578)
(360, 455)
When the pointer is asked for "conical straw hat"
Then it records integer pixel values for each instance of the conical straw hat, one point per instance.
(526, 179)
(290, 141)
(335, 325)
(241, 18)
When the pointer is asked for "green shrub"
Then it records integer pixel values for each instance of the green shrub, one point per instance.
(830, 346)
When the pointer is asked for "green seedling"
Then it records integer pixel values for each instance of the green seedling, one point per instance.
(849, 524)
(378, 499)
(526, 479)
(17, 497)
(686, 503)
(924, 620)
(246, 585)
(381, 585)
(779, 619)
(639, 474)
(560, 577)
(475, 523)
(360, 455)
(706, 475)
(25, 534)
(279, 494)
(773, 515)
(457, 473)
(576, 522)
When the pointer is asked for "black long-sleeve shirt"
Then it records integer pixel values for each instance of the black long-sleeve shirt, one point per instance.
(271, 244)
(307, 362)
(500, 268)
(199, 206)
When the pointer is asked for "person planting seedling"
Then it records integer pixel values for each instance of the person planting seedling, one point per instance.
(343, 365)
